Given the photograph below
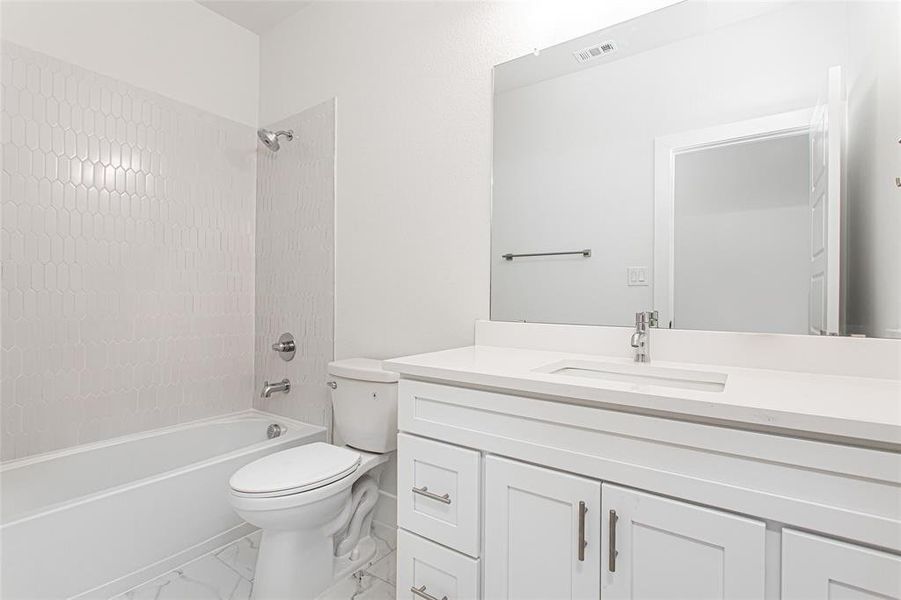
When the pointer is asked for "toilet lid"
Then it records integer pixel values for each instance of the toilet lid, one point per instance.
(295, 470)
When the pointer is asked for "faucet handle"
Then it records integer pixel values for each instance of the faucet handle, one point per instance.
(285, 346)
(646, 317)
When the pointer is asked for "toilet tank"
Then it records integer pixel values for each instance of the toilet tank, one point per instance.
(364, 400)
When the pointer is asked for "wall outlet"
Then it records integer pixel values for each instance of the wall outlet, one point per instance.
(637, 276)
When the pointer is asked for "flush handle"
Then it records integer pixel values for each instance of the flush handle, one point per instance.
(424, 491)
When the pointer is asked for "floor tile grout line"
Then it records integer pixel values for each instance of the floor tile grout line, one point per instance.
(371, 574)
(215, 554)
(231, 568)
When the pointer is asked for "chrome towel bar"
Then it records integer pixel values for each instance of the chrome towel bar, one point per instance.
(586, 253)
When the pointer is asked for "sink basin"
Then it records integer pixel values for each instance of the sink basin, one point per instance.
(684, 379)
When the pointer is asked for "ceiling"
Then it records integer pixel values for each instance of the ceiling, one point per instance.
(255, 15)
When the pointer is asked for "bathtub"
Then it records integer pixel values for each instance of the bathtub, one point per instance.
(95, 520)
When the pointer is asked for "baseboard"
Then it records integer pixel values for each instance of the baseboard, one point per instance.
(385, 532)
(386, 509)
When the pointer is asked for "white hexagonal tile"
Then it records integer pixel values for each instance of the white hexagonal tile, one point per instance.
(17, 130)
(85, 157)
(26, 104)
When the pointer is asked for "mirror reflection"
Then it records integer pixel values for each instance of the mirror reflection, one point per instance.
(730, 165)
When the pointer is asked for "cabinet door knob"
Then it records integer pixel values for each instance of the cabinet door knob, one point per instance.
(424, 491)
(611, 551)
(420, 591)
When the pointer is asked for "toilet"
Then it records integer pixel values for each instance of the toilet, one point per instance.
(314, 503)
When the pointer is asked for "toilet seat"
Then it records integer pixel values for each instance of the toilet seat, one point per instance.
(294, 471)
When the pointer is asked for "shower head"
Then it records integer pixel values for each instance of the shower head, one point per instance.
(270, 138)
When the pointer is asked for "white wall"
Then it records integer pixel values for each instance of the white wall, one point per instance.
(742, 237)
(574, 155)
(414, 104)
(178, 49)
(413, 82)
(873, 267)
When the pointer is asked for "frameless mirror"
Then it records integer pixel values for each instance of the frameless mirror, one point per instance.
(732, 165)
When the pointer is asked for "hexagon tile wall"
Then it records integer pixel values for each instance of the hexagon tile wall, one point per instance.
(295, 263)
(127, 256)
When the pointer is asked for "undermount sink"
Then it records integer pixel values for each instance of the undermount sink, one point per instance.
(684, 379)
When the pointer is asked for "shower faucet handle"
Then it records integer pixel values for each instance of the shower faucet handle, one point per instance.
(285, 346)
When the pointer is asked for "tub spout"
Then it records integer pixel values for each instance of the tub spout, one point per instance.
(283, 386)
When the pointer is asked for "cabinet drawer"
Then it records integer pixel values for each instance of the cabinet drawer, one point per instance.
(438, 492)
(434, 571)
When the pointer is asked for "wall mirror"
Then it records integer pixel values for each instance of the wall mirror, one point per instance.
(732, 165)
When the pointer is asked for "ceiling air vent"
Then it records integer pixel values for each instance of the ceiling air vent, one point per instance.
(595, 51)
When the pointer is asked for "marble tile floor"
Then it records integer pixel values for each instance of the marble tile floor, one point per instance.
(227, 574)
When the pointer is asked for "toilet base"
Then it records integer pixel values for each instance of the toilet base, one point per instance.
(312, 568)
(291, 562)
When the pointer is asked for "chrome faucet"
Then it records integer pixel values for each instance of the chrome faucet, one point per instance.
(283, 386)
(641, 339)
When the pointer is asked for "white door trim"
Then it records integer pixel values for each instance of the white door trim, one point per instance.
(665, 150)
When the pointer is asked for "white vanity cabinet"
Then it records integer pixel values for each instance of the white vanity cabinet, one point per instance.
(659, 548)
(817, 567)
(429, 571)
(439, 492)
(542, 532)
(555, 535)
(554, 500)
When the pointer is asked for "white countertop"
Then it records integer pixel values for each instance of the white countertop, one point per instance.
(866, 410)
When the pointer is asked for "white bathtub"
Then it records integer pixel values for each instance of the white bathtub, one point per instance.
(95, 520)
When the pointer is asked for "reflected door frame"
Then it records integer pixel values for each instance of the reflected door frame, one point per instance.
(666, 148)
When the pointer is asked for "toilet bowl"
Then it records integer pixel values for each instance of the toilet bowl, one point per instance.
(314, 503)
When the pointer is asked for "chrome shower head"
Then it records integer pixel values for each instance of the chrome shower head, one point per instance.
(270, 138)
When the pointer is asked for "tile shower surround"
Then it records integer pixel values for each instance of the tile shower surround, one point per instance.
(127, 256)
(295, 274)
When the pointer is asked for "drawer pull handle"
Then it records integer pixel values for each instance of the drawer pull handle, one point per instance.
(582, 541)
(611, 550)
(424, 491)
(420, 591)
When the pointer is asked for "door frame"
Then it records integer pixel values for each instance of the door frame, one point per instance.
(666, 148)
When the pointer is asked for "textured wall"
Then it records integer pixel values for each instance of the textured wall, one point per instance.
(414, 94)
(205, 60)
(295, 258)
(127, 254)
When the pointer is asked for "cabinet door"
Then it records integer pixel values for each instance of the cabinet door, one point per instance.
(541, 533)
(815, 567)
(654, 547)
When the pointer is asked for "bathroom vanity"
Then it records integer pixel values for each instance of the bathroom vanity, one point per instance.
(552, 473)
(721, 191)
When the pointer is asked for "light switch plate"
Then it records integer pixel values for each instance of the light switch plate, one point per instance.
(637, 276)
